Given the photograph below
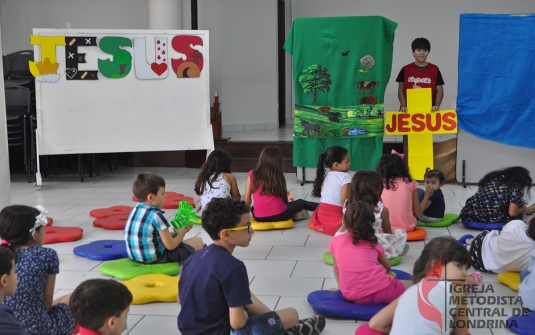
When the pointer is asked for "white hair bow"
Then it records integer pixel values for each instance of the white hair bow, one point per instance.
(40, 220)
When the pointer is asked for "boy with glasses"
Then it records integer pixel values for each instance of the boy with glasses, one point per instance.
(214, 287)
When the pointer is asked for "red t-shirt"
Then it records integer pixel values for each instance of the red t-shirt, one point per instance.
(421, 77)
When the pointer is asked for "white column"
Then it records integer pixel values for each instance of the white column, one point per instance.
(165, 14)
(5, 182)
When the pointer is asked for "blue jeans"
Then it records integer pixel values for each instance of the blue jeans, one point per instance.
(263, 324)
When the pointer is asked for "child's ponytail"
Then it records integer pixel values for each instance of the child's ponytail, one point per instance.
(358, 219)
(320, 176)
(331, 155)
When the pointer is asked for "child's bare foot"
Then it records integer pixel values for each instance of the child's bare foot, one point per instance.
(474, 279)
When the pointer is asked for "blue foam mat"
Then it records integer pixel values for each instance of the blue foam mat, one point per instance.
(523, 324)
(103, 250)
(333, 304)
(483, 226)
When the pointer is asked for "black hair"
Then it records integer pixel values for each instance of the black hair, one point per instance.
(146, 183)
(391, 166)
(217, 162)
(513, 177)
(531, 229)
(7, 258)
(95, 300)
(358, 219)
(16, 221)
(434, 174)
(331, 155)
(421, 43)
(222, 213)
(269, 173)
(367, 186)
(444, 248)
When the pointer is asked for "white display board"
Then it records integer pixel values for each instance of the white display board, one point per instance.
(148, 108)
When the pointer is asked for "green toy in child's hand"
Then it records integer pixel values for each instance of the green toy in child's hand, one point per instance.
(183, 215)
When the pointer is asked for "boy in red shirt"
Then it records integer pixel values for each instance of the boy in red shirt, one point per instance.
(420, 74)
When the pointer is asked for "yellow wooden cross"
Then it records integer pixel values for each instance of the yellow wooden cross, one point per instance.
(420, 145)
(420, 124)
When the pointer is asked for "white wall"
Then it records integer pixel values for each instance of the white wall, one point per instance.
(19, 17)
(436, 20)
(243, 56)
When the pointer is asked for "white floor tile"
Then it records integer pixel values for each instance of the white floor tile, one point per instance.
(269, 268)
(151, 324)
(298, 253)
(293, 287)
(313, 269)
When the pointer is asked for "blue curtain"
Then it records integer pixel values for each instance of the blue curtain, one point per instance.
(496, 91)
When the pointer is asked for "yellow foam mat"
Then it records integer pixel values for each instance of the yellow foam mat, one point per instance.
(152, 288)
(271, 225)
(511, 279)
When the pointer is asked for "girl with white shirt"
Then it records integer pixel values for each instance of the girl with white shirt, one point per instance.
(434, 303)
(333, 188)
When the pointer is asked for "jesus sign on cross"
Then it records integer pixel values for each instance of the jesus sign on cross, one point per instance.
(419, 123)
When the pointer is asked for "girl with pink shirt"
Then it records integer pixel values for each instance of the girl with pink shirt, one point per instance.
(266, 186)
(400, 193)
(360, 266)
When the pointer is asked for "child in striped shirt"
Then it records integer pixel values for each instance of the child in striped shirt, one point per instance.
(147, 235)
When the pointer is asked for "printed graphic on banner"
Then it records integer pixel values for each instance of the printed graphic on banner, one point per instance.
(191, 63)
(157, 69)
(46, 70)
(73, 58)
(121, 64)
(440, 122)
(362, 120)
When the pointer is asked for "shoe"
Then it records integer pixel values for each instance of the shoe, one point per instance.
(301, 215)
(310, 326)
(463, 239)
(405, 250)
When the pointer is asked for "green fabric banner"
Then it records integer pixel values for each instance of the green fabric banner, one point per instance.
(341, 67)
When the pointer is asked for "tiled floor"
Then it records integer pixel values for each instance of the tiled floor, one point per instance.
(283, 266)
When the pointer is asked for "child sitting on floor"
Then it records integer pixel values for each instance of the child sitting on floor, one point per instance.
(266, 186)
(8, 286)
(400, 193)
(333, 189)
(22, 228)
(431, 199)
(147, 235)
(214, 287)
(367, 186)
(360, 266)
(100, 306)
(508, 250)
(499, 197)
(441, 266)
(215, 179)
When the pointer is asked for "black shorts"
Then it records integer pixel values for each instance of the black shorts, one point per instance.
(178, 255)
(475, 252)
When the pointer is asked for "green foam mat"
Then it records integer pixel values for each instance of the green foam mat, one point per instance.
(446, 221)
(125, 269)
